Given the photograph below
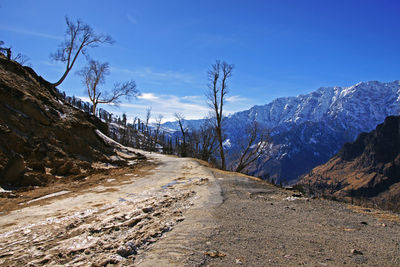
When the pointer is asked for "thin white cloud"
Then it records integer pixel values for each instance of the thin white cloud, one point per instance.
(149, 74)
(148, 96)
(32, 33)
(236, 99)
(131, 19)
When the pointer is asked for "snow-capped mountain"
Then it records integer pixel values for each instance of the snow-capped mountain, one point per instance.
(308, 129)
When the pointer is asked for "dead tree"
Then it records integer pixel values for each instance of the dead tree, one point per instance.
(208, 141)
(180, 119)
(256, 146)
(78, 37)
(157, 131)
(93, 75)
(147, 130)
(217, 91)
(21, 59)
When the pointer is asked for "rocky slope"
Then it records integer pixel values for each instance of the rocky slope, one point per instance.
(41, 138)
(367, 168)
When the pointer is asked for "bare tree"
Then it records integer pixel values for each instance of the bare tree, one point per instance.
(255, 147)
(147, 130)
(78, 37)
(208, 140)
(157, 131)
(94, 75)
(180, 119)
(217, 90)
(21, 59)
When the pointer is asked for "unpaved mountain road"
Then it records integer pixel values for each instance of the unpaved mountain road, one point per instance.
(182, 213)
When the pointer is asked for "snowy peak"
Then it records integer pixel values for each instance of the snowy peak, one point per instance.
(376, 99)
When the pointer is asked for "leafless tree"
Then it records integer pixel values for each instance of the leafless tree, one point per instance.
(180, 119)
(216, 93)
(93, 76)
(21, 59)
(146, 131)
(78, 37)
(208, 140)
(157, 131)
(255, 146)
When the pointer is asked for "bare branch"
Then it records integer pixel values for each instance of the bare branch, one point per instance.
(21, 59)
(93, 75)
(78, 37)
(257, 143)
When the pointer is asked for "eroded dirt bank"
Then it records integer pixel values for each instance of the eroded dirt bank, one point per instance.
(180, 213)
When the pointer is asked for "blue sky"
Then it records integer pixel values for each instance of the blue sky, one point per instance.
(279, 48)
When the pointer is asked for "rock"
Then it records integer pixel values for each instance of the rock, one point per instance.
(364, 223)
(126, 250)
(37, 166)
(215, 254)
(14, 169)
(147, 209)
(356, 252)
(67, 168)
(34, 179)
(239, 261)
(109, 261)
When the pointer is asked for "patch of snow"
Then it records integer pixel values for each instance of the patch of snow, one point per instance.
(227, 143)
(291, 198)
(4, 190)
(49, 195)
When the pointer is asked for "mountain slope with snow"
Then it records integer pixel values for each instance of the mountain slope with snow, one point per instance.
(309, 129)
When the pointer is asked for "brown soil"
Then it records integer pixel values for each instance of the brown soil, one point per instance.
(23, 197)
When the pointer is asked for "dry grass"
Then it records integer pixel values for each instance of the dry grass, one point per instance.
(380, 214)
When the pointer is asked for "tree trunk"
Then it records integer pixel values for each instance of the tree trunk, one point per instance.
(94, 109)
(221, 148)
(62, 78)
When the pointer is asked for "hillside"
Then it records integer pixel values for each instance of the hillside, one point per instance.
(42, 139)
(368, 168)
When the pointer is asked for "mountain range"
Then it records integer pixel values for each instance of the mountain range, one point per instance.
(308, 129)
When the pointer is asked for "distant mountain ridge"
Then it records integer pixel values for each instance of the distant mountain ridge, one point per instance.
(308, 129)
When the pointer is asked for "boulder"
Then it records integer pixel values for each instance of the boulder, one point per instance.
(14, 169)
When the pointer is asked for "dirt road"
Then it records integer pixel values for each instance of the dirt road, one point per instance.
(182, 213)
(108, 223)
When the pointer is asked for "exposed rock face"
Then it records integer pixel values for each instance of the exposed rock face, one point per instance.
(39, 134)
(367, 168)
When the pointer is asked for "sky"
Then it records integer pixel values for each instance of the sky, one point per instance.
(278, 48)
